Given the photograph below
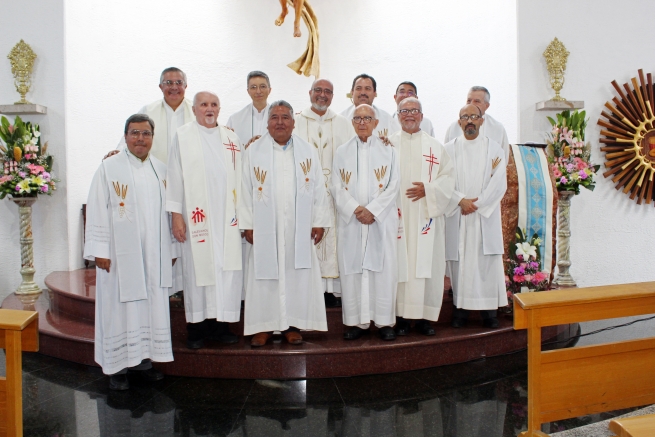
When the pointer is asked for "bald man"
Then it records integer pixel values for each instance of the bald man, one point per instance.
(325, 130)
(204, 182)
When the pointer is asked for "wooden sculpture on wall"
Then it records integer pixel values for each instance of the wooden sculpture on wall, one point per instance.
(308, 63)
(629, 139)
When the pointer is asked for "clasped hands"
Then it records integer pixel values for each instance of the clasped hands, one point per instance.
(468, 206)
(317, 235)
(364, 216)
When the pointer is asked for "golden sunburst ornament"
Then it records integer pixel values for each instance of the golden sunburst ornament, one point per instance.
(629, 138)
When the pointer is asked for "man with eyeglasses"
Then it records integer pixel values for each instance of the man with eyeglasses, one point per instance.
(325, 130)
(492, 128)
(204, 174)
(474, 237)
(403, 91)
(363, 92)
(365, 187)
(427, 182)
(128, 234)
(250, 122)
(284, 213)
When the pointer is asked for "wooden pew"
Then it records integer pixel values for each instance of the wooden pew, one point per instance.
(19, 331)
(589, 379)
(636, 426)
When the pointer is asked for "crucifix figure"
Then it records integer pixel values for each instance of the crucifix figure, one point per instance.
(307, 63)
(297, 7)
(432, 160)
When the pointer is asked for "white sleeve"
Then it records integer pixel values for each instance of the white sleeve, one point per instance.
(175, 184)
(97, 243)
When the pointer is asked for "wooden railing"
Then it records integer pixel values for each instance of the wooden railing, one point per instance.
(584, 380)
(19, 331)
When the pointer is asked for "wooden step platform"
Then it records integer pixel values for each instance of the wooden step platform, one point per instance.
(636, 426)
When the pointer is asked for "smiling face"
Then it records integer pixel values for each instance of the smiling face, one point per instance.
(404, 91)
(258, 90)
(280, 124)
(173, 93)
(206, 107)
(139, 139)
(477, 98)
(321, 95)
(363, 128)
(363, 92)
(470, 127)
(411, 123)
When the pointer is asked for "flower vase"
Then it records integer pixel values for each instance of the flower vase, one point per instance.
(525, 289)
(27, 286)
(564, 278)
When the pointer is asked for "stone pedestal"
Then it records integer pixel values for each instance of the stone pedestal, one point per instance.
(27, 286)
(564, 278)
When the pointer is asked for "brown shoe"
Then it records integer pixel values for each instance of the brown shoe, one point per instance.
(260, 339)
(293, 337)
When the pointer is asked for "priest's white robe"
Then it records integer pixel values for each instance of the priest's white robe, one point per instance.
(421, 296)
(326, 133)
(222, 300)
(295, 298)
(474, 242)
(369, 295)
(248, 122)
(387, 125)
(130, 331)
(491, 128)
(426, 124)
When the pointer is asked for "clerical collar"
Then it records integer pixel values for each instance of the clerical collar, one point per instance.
(130, 154)
(286, 145)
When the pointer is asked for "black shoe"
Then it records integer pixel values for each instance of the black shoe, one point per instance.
(354, 333)
(402, 326)
(458, 322)
(424, 327)
(332, 301)
(225, 338)
(195, 344)
(150, 374)
(119, 382)
(387, 333)
(491, 322)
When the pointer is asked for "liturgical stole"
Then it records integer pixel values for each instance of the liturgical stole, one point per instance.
(380, 166)
(157, 112)
(126, 233)
(197, 203)
(262, 173)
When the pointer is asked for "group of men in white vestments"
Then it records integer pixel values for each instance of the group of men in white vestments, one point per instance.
(276, 209)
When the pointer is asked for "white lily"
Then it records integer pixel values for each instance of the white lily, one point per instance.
(526, 250)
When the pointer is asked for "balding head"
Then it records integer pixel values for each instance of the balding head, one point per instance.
(206, 107)
(470, 120)
(365, 120)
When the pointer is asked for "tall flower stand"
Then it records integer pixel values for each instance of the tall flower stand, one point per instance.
(564, 278)
(27, 286)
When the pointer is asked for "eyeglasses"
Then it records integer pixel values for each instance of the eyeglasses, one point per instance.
(136, 133)
(366, 120)
(406, 93)
(173, 82)
(412, 111)
(470, 117)
(262, 87)
(328, 92)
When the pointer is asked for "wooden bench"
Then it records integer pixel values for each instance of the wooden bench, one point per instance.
(585, 380)
(637, 426)
(19, 331)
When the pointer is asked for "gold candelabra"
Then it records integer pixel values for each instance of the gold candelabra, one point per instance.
(556, 56)
(22, 61)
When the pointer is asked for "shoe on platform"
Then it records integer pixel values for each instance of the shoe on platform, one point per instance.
(119, 382)
(225, 337)
(354, 333)
(332, 301)
(491, 322)
(424, 327)
(260, 339)
(293, 337)
(458, 322)
(150, 374)
(387, 333)
(402, 326)
(195, 344)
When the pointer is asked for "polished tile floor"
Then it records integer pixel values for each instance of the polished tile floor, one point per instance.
(485, 398)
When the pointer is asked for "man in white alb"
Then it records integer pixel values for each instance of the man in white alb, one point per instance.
(365, 188)
(427, 181)
(325, 130)
(283, 212)
(250, 122)
(474, 237)
(363, 92)
(204, 173)
(403, 91)
(128, 235)
(491, 128)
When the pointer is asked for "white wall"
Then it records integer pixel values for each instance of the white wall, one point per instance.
(612, 237)
(41, 25)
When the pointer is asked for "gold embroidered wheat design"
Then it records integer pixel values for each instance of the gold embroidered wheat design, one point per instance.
(380, 172)
(345, 176)
(121, 192)
(494, 163)
(306, 166)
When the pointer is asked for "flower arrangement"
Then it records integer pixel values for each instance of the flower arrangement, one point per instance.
(523, 267)
(25, 167)
(568, 155)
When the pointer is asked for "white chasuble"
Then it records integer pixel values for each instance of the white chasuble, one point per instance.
(249, 122)
(326, 133)
(474, 242)
(421, 242)
(127, 223)
(167, 121)
(284, 198)
(387, 125)
(367, 174)
(204, 170)
(491, 128)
